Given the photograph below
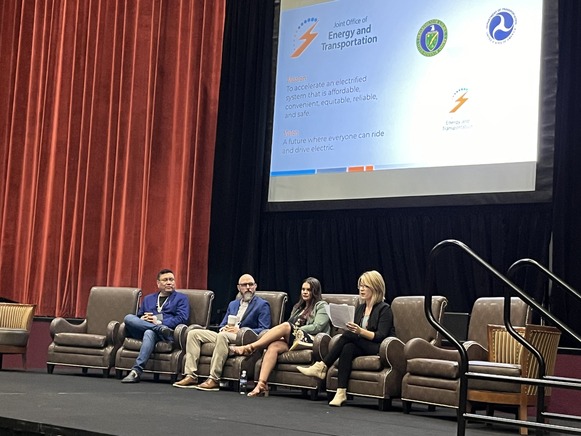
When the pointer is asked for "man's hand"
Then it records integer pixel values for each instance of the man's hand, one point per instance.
(148, 316)
(230, 329)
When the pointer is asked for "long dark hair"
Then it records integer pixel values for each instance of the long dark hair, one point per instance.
(316, 296)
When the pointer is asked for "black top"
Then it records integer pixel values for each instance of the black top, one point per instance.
(380, 320)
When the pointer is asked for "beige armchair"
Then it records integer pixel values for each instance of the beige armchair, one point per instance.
(432, 376)
(380, 376)
(15, 324)
(167, 357)
(94, 342)
(506, 356)
(285, 372)
(236, 364)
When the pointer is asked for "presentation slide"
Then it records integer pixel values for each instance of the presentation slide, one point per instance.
(391, 98)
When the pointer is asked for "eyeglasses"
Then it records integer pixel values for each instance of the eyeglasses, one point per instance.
(247, 285)
(167, 279)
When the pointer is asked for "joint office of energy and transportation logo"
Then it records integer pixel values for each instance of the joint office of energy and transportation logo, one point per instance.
(432, 38)
(459, 98)
(501, 26)
(304, 36)
(458, 119)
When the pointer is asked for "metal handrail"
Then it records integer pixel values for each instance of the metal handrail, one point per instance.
(522, 263)
(463, 364)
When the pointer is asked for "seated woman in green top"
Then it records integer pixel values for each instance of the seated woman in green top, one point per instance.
(308, 317)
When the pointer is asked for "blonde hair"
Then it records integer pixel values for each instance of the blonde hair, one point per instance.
(376, 283)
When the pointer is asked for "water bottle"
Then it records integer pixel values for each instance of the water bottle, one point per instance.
(243, 383)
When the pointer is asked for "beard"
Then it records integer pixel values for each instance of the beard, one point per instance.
(247, 296)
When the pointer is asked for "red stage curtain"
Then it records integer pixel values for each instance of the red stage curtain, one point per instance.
(107, 130)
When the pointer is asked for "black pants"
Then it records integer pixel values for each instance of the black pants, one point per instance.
(348, 347)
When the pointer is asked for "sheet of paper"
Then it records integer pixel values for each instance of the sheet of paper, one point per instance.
(340, 314)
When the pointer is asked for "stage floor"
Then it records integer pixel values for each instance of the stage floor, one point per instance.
(69, 403)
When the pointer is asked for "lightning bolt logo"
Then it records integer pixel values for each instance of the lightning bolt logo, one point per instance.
(460, 100)
(307, 38)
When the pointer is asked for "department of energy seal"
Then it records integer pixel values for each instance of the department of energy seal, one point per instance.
(432, 38)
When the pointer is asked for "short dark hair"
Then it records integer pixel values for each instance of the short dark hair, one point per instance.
(164, 271)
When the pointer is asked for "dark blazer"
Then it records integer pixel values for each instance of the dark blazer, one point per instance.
(256, 317)
(175, 311)
(380, 320)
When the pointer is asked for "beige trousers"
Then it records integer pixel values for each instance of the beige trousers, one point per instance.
(194, 342)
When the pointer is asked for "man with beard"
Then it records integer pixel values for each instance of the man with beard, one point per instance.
(248, 311)
(156, 318)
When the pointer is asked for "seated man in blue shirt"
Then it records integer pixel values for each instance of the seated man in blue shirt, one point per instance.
(249, 311)
(158, 315)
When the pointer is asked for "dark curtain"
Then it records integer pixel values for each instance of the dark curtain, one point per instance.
(567, 185)
(337, 246)
(107, 131)
(240, 147)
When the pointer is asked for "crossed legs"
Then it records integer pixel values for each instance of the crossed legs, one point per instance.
(280, 332)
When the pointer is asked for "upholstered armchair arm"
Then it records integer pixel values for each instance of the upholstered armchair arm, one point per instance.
(425, 359)
(61, 325)
(391, 354)
(334, 340)
(475, 351)
(121, 335)
(113, 333)
(262, 333)
(246, 336)
(320, 346)
(418, 348)
(181, 333)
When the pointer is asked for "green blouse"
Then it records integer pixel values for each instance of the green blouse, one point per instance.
(318, 320)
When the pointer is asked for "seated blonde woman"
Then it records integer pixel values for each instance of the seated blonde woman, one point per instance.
(373, 322)
(309, 317)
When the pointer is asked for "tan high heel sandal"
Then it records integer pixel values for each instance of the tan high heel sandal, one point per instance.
(260, 390)
(243, 350)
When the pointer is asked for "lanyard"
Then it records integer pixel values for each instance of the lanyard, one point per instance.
(159, 308)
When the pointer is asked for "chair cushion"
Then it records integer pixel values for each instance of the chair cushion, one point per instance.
(447, 369)
(80, 340)
(63, 350)
(431, 382)
(160, 346)
(207, 348)
(497, 369)
(132, 344)
(287, 367)
(367, 363)
(13, 337)
(430, 390)
(298, 356)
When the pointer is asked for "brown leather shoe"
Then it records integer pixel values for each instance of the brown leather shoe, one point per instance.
(189, 381)
(209, 385)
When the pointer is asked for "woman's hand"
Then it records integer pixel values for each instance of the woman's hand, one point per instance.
(354, 328)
